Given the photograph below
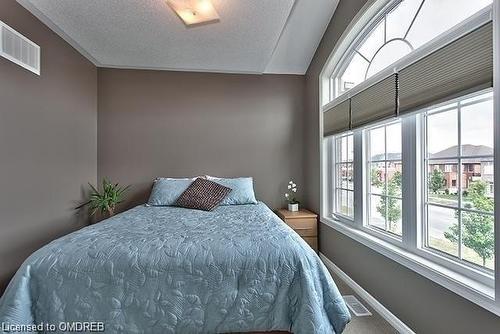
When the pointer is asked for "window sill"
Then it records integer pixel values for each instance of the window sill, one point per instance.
(472, 290)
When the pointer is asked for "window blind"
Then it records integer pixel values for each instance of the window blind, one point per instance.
(375, 103)
(460, 67)
(337, 119)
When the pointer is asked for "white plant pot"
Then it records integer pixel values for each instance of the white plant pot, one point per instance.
(293, 207)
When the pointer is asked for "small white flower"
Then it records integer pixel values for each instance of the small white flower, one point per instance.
(287, 195)
(291, 182)
(289, 187)
(294, 190)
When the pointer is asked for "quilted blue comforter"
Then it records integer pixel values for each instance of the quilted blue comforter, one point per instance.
(173, 270)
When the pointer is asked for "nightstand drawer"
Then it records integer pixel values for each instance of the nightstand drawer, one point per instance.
(304, 225)
(312, 241)
(306, 231)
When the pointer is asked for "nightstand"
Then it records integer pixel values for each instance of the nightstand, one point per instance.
(304, 222)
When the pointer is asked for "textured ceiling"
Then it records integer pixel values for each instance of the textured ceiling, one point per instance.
(253, 36)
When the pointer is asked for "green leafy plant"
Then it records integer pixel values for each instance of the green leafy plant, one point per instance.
(389, 207)
(436, 181)
(106, 199)
(376, 178)
(477, 229)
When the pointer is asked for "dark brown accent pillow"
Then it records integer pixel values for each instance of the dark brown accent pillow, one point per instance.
(202, 194)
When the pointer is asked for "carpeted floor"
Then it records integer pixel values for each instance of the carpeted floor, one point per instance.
(373, 324)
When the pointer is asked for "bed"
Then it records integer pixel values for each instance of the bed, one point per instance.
(238, 268)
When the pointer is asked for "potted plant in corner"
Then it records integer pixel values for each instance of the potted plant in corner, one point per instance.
(105, 200)
(293, 203)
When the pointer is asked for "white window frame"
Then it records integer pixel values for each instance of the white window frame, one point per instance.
(459, 157)
(367, 172)
(474, 284)
(336, 162)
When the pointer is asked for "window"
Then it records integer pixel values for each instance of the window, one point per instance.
(344, 185)
(459, 219)
(403, 27)
(413, 178)
(385, 175)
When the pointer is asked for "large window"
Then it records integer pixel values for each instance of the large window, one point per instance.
(408, 159)
(385, 174)
(344, 185)
(459, 201)
(403, 27)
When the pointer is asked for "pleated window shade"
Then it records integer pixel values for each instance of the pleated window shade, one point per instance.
(463, 66)
(375, 103)
(337, 119)
(460, 67)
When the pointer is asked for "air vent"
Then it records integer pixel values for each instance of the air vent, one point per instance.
(355, 306)
(18, 49)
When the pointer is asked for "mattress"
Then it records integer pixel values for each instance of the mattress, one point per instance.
(238, 268)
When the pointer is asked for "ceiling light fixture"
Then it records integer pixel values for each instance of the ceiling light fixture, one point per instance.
(194, 12)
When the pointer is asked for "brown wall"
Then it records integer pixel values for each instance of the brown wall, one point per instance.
(159, 123)
(423, 305)
(48, 141)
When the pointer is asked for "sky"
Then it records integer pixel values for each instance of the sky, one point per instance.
(476, 124)
(429, 23)
(377, 144)
(476, 121)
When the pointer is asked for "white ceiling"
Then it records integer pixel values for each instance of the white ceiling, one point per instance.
(253, 36)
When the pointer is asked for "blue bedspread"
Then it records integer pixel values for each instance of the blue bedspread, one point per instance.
(173, 270)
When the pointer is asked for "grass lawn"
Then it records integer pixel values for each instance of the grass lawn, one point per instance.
(447, 199)
(444, 196)
(468, 254)
(347, 211)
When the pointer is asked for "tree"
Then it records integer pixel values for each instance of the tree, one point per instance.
(436, 181)
(477, 229)
(393, 212)
(375, 177)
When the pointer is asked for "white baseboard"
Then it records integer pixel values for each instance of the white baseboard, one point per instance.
(400, 326)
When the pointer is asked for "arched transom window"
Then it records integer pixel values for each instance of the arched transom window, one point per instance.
(403, 27)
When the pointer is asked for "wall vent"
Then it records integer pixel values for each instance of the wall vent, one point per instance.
(355, 306)
(19, 49)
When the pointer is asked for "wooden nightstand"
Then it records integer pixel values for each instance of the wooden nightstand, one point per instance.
(304, 222)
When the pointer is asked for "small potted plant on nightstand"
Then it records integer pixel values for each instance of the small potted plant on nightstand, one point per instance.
(293, 203)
